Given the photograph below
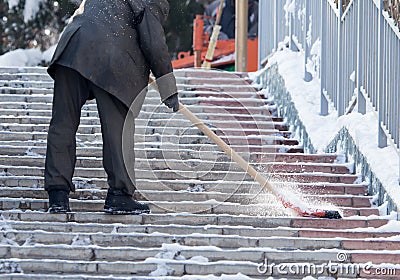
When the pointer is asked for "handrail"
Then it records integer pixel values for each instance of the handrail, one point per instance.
(360, 37)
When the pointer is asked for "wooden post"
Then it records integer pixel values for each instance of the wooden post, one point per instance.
(242, 10)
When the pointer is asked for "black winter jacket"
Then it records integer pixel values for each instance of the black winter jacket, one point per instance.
(115, 44)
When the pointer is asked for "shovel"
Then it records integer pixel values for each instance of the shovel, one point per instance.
(295, 206)
(300, 210)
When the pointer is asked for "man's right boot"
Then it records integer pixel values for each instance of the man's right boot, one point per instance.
(119, 202)
(58, 202)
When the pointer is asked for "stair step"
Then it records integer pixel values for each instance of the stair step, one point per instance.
(185, 164)
(189, 185)
(172, 229)
(195, 219)
(164, 195)
(182, 174)
(146, 240)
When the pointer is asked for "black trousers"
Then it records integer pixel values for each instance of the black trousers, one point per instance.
(71, 91)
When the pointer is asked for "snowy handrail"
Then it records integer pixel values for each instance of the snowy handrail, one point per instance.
(355, 51)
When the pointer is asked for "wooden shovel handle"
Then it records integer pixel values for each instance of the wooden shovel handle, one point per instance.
(225, 147)
(228, 150)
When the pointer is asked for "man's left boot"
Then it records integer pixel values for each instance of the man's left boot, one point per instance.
(119, 202)
(58, 202)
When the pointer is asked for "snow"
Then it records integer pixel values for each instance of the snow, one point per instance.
(391, 226)
(26, 57)
(290, 8)
(79, 241)
(31, 8)
(353, 76)
(199, 259)
(323, 129)
(162, 270)
(12, 3)
(10, 267)
(21, 57)
(48, 54)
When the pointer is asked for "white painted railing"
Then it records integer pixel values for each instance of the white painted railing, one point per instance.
(359, 62)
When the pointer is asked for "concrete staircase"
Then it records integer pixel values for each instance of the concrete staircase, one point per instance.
(209, 219)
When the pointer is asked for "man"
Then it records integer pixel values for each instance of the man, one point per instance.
(106, 52)
(228, 19)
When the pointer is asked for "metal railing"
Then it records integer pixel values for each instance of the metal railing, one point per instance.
(343, 143)
(360, 52)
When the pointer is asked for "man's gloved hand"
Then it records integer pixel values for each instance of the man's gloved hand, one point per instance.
(172, 102)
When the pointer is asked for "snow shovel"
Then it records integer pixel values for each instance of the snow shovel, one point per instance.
(300, 210)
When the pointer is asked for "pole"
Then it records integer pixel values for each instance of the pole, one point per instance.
(307, 75)
(339, 76)
(198, 40)
(362, 104)
(382, 139)
(242, 10)
(324, 101)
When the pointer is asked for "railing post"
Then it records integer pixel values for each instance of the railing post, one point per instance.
(322, 69)
(340, 94)
(292, 46)
(361, 102)
(307, 75)
(275, 25)
(382, 139)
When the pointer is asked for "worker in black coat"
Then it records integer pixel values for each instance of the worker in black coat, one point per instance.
(228, 19)
(106, 52)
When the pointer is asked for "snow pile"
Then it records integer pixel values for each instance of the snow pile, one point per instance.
(26, 57)
(391, 226)
(306, 97)
(79, 241)
(30, 241)
(47, 55)
(168, 252)
(162, 270)
(4, 226)
(4, 239)
(323, 129)
(10, 267)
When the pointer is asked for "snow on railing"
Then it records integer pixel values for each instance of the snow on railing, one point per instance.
(342, 144)
(354, 51)
(393, 8)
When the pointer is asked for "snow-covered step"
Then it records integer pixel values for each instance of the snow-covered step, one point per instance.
(146, 240)
(196, 220)
(194, 185)
(192, 174)
(187, 164)
(163, 194)
(22, 150)
(374, 236)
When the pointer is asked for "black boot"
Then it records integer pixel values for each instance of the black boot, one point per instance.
(118, 202)
(58, 201)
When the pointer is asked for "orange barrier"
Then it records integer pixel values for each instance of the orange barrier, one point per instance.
(223, 50)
